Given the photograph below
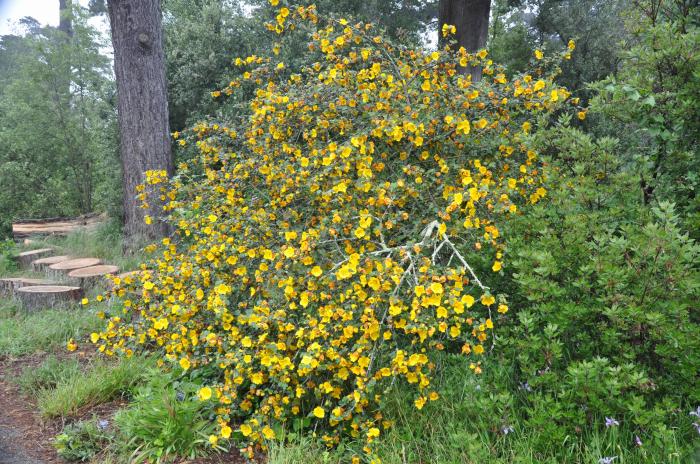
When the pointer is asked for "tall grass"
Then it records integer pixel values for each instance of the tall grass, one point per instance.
(103, 381)
(25, 333)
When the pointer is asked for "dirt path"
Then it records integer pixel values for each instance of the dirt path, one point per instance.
(9, 453)
(24, 437)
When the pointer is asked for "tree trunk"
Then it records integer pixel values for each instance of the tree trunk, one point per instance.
(139, 66)
(471, 18)
(65, 24)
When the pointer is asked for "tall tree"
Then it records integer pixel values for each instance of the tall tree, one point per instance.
(65, 9)
(139, 67)
(471, 18)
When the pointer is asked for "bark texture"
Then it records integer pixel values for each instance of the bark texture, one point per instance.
(139, 66)
(65, 23)
(471, 18)
(40, 297)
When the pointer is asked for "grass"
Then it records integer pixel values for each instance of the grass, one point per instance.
(24, 333)
(466, 426)
(103, 381)
(51, 372)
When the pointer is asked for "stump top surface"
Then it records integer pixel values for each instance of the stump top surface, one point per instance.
(48, 289)
(35, 281)
(52, 259)
(93, 271)
(35, 252)
(75, 264)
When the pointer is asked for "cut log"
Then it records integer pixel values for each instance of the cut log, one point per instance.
(89, 277)
(25, 258)
(9, 285)
(60, 270)
(40, 265)
(47, 296)
(56, 226)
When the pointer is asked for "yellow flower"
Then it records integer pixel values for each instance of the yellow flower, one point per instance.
(571, 45)
(319, 412)
(84, 301)
(316, 271)
(487, 299)
(373, 433)
(246, 430)
(538, 54)
(496, 266)
(71, 345)
(502, 308)
(94, 337)
(185, 364)
(213, 440)
(582, 115)
(204, 393)
(420, 402)
(268, 433)
(226, 431)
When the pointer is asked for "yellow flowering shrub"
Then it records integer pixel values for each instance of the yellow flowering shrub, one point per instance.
(324, 242)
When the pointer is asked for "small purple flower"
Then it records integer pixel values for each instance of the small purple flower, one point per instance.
(607, 460)
(180, 396)
(507, 429)
(695, 413)
(102, 424)
(611, 422)
(525, 386)
(637, 440)
(697, 427)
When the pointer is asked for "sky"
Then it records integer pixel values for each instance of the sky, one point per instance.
(44, 11)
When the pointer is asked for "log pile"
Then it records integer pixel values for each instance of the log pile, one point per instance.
(56, 226)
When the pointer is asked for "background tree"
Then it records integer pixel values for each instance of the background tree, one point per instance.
(139, 65)
(57, 140)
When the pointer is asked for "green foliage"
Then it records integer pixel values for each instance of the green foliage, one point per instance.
(25, 333)
(7, 252)
(164, 421)
(102, 381)
(652, 104)
(605, 291)
(50, 373)
(82, 441)
(59, 87)
(200, 41)
(520, 26)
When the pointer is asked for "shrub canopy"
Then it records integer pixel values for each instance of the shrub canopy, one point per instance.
(330, 240)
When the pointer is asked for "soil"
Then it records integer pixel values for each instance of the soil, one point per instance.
(25, 437)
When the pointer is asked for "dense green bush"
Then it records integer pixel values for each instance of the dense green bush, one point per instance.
(605, 291)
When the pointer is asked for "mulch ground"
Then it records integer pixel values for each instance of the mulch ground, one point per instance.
(26, 437)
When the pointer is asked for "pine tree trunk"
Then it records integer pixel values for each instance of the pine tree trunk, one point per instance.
(139, 66)
(471, 18)
(65, 23)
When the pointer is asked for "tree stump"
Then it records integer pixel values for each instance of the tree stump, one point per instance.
(59, 270)
(47, 296)
(89, 277)
(9, 285)
(25, 258)
(40, 265)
